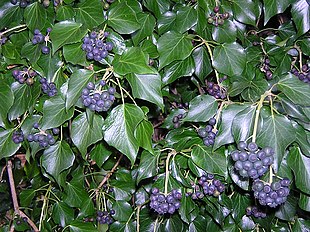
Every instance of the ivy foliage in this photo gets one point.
(173, 67)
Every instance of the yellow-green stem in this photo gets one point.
(259, 106)
(167, 171)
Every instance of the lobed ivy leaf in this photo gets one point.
(57, 158)
(7, 146)
(83, 134)
(10, 15)
(62, 213)
(188, 210)
(66, 32)
(119, 127)
(148, 165)
(65, 12)
(225, 33)
(100, 154)
(301, 15)
(288, 210)
(273, 7)
(173, 46)
(6, 102)
(304, 202)
(89, 13)
(301, 225)
(123, 211)
(123, 19)
(55, 113)
(31, 52)
(74, 54)
(299, 164)
(75, 194)
(248, 14)
(240, 203)
(143, 134)
(201, 109)
(186, 18)
(148, 23)
(166, 22)
(78, 226)
(133, 60)
(215, 163)
(147, 87)
(232, 55)
(35, 16)
(277, 132)
(202, 62)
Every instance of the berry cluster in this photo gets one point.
(266, 69)
(215, 90)
(24, 76)
(177, 120)
(165, 204)
(217, 18)
(39, 38)
(48, 88)
(207, 134)
(42, 137)
(256, 212)
(180, 105)
(251, 161)
(96, 99)
(22, 3)
(304, 74)
(104, 217)
(18, 136)
(272, 194)
(208, 186)
(95, 45)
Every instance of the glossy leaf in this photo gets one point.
(304, 202)
(100, 154)
(202, 63)
(74, 54)
(186, 18)
(78, 226)
(62, 213)
(35, 16)
(248, 14)
(143, 134)
(301, 15)
(7, 146)
(122, 210)
(148, 165)
(89, 13)
(119, 127)
(148, 23)
(273, 7)
(75, 194)
(6, 101)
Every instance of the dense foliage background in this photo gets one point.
(164, 97)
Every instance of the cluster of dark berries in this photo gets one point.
(177, 120)
(181, 105)
(165, 204)
(304, 74)
(18, 136)
(96, 99)
(42, 137)
(48, 88)
(272, 194)
(24, 76)
(95, 45)
(104, 217)
(251, 161)
(208, 186)
(256, 212)
(266, 69)
(207, 133)
(215, 90)
(39, 38)
(217, 18)
(3, 40)
(20, 220)
(22, 3)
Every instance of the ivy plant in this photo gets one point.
(143, 115)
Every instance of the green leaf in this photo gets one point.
(75, 194)
(173, 46)
(78, 226)
(174, 224)
(89, 13)
(57, 158)
(201, 109)
(240, 203)
(232, 55)
(66, 32)
(133, 60)
(26, 197)
(273, 7)
(301, 15)
(188, 210)
(238, 180)
(166, 22)
(202, 63)
(178, 69)
(123, 211)
(199, 224)
(186, 18)
(287, 211)
(50, 65)
(119, 127)
(65, 12)
(35, 16)
(224, 134)
(31, 52)
(295, 90)
(225, 33)
(10, 14)
(55, 113)
(6, 102)
(143, 134)
(301, 225)
(248, 14)
(100, 154)
(215, 163)
(181, 138)
(77, 82)
(147, 87)
(157, 7)
(74, 54)
(83, 134)
(304, 202)
(123, 19)
(300, 166)
(148, 23)
(62, 213)
(243, 123)
(148, 165)
(277, 132)
(25, 97)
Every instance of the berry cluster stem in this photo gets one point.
(23, 26)
(172, 153)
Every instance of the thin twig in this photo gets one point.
(14, 198)
(110, 173)
(2, 172)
